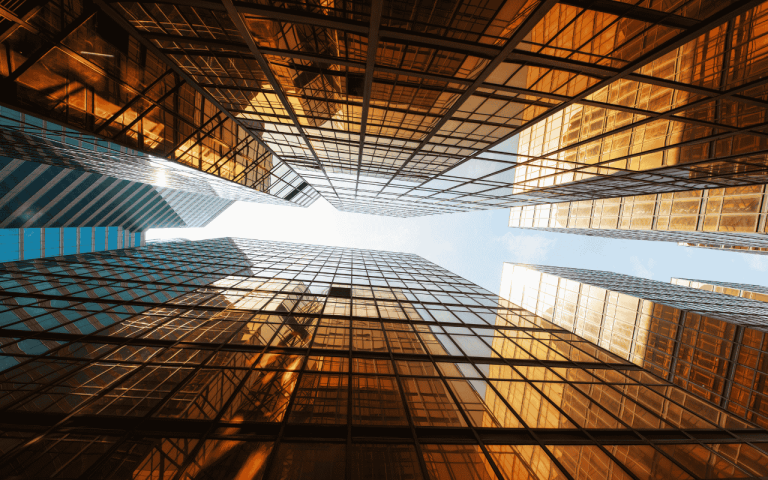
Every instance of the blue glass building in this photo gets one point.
(63, 192)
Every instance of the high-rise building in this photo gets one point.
(728, 248)
(709, 343)
(234, 359)
(71, 64)
(411, 108)
(63, 192)
(753, 292)
(724, 218)
(29, 243)
(653, 110)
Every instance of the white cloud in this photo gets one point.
(592, 245)
(526, 248)
(641, 269)
(757, 262)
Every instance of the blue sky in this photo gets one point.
(475, 245)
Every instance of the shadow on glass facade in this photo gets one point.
(405, 109)
(232, 359)
(712, 344)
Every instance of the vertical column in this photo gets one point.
(21, 243)
(733, 361)
(633, 346)
(702, 209)
(676, 347)
(762, 222)
(656, 207)
(61, 241)
(620, 214)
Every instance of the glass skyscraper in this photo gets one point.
(411, 108)
(64, 192)
(725, 218)
(753, 292)
(234, 359)
(710, 343)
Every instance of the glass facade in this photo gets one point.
(28, 138)
(753, 292)
(67, 62)
(684, 120)
(64, 192)
(403, 108)
(233, 359)
(712, 344)
(727, 218)
(29, 243)
(729, 248)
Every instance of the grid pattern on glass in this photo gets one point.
(375, 104)
(30, 138)
(67, 62)
(402, 108)
(28, 147)
(235, 358)
(53, 184)
(30, 243)
(727, 248)
(695, 338)
(753, 292)
(729, 217)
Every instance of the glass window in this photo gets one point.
(451, 462)
(308, 461)
(385, 462)
(524, 462)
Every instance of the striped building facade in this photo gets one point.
(40, 195)
(63, 192)
(30, 243)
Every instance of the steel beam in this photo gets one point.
(728, 13)
(634, 12)
(103, 5)
(237, 19)
(49, 46)
(522, 31)
(130, 103)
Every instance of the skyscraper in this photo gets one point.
(63, 192)
(230, 358)
(711, 344)
(412, 108)
(68, 63)
(726, 218)
(650, 110)
(753, 292)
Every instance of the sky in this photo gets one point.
(475, 245)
